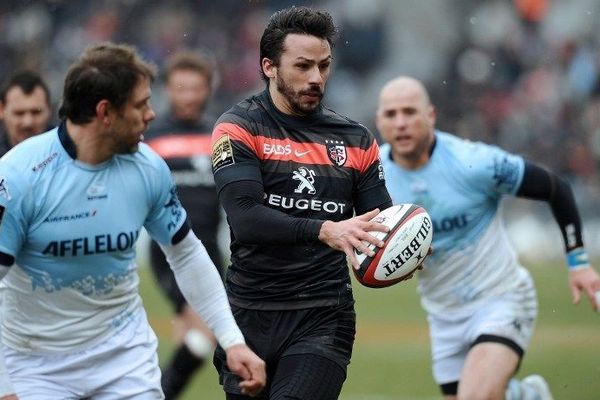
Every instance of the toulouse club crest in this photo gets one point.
(336, 151)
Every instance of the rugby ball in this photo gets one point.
(405, 246)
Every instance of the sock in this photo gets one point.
(182, 366)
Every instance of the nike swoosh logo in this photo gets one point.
(301, 153)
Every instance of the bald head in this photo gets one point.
(404, 86)
(405, 119)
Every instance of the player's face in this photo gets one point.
(300, 78)
(188, 91)
(25, 115)
(405, 119)
(130, 123)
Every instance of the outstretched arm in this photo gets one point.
(541, 184)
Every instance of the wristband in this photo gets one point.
(577, 259)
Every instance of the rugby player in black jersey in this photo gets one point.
(182, 138)
(299, 184)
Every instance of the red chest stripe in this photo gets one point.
(272, 149)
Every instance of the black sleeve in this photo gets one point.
(182, 232)
(6, 259)
(254, 223)
(541, 184)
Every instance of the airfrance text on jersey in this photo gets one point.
(105, 243)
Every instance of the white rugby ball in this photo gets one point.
(405, 246)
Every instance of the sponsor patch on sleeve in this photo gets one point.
(4, 189)
(222, 153)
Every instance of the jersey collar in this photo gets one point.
(66, 140)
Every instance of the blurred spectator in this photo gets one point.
(24, 109)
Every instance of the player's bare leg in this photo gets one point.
(488, 368)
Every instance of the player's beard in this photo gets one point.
(293, 97)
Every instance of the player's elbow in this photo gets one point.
(246, 231)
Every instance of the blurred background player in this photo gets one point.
(182, 137)
(24, 109)
(481, 303)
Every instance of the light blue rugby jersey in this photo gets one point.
(461, 187)
(72, 229)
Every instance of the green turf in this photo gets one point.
(391, 354)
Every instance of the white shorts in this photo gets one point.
(125, 366)
(511, 316)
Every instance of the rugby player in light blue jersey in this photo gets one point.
(481, 302)
(72, 203)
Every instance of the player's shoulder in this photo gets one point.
(351, 132)
(145, 157)
(32, 161)
(244, 112)
(385, 154)
(464, 149)
(37, 155)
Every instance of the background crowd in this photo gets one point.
(524, 74)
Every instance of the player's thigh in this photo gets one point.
(449, 350)
(275, 335)
(36, 386)
(307, 377)
(45, 391)
(500, 332)
(140, 382)
(131, 370)
(302, 377)
(41, 377)
(487, 370)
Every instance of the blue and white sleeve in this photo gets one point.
(495, 170)
(167, 215)
(14, 197)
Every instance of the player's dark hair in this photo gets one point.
(302, 20)
(27, 81)
(104, 71)
(192, 61)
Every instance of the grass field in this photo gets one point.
(391, 354)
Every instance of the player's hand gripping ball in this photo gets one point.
(405, 246)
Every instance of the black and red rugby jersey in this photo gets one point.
(323, 166)
(186, 147)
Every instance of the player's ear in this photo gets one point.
(103, 111)
(269, 68)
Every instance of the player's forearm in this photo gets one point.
(540, 184)
(200, 283)
(254, 223)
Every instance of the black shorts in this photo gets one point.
(166, 278)
(327, 332)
